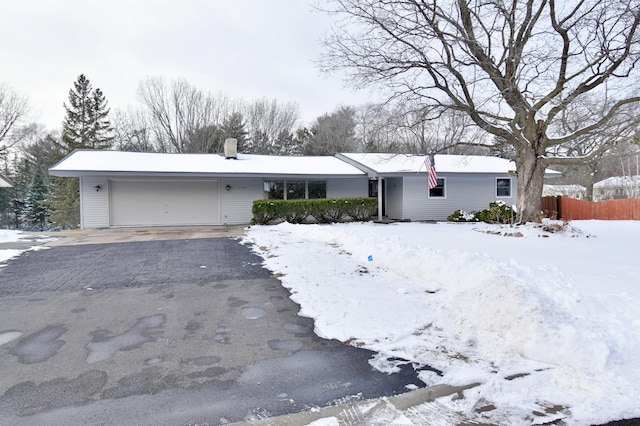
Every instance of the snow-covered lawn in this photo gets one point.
(8, 236)
(544, 322)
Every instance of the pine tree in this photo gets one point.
(233, 127)
(102, 129)
(64, 201)
(6, 195)
(86, 126)
(21, 177)
(35, 213)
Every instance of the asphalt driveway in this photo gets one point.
(169, 332)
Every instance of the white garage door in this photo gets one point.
(171, 202)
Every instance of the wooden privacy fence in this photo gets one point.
(571, 209)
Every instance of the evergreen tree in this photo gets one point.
(35, 212)
(86, 126)
(21, 177)
(42, 154)
(333, 133)
(204, 139)
(6, 195)
(233, 127)
(64, 202)
(25, 206)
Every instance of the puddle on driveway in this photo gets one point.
(286, 345)
(102, 349)
(39, 346)
(253, 313)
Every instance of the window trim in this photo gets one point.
(510, 187)
(444, 190)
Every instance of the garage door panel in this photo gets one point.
(147, 203)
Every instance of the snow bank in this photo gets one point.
(8, 236)
(541, 320)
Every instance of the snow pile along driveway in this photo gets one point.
(546, 323)
(9, 236)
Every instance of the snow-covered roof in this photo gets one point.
(403, 163)
(89, 162)
(4, 182)
(566, 187)
(548, 190)
(618, 181)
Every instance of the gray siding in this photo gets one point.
(235, 204)
(348, 187)
(394, 198)
(94, 205)
(406, 198)
(466, 192)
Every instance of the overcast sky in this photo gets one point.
(243, 48)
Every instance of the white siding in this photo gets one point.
(348, 187)
(94, 205)
(394, 196)
(466, 192)
(235, 204)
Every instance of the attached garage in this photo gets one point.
(163, 202)
(140, 189)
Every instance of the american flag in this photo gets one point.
(430, 164)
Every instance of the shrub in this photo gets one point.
(323, 210)
(296, 211)
(462, 216)
(327, 210)
(498, 212)
(266, 211)
(360, 209)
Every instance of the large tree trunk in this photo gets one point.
(530, 171)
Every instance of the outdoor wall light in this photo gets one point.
(228, 187)
(97, 187)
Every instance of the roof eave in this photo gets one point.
(85, 173)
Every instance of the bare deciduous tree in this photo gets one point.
(513, 67)
(13, 108)
(408, 129)
(376, 128)
(177, 117)
(132, 132)
(451, 132)
(178, 111)
(267, 120)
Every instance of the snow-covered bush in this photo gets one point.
(498, 212)
(462, 216)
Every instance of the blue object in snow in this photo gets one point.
(370, 258)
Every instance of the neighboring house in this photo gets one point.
(572, 191)
(4, 182)
(152, 189)
(465, 182)
(617, 187)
